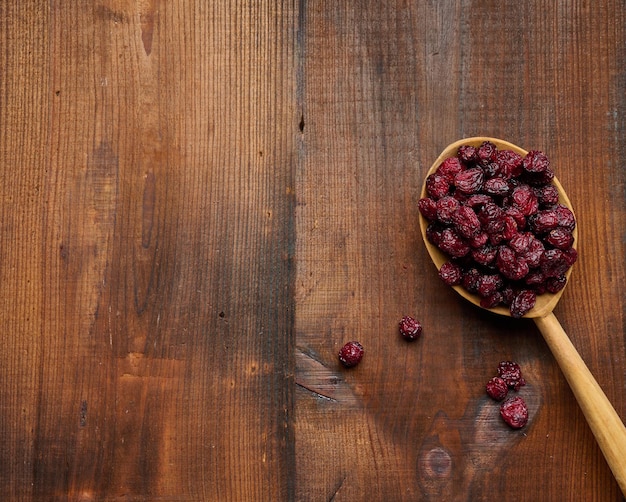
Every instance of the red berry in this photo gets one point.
(523, 302)
(536, 162)
(450, 273)
(410, 328)
(437, 186)
(497, 388)
(428, 208)
(525, 200)
(511, 373)
(351, 354)
(469, 181)
(450, 167)
(514, 412)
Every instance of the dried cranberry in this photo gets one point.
(437, 186)
(570, 256)
(433, 233)
(565, 217)
(548, 196)
(488, 284)
(517, 215)
(452, 244)
(555, 284)
(467, 154)
(510, 265)
(514, 412)
(544, 221)
(449, 168)
(446, 207)
(486, 152)
(410, 328)
(536, 162)
(466, 222)
(523, 302)
(450, 273)
(560, 238)
(469, 181)
(477, 200)
(351, 354)
(478, 240)
(511, 373)
(521, 242)
(484, 255)
(492, 301)
(510, 163)
(496, 186)
(553, 263)
(497, 388)
(534, 253)
(428, 208)
(525, 199)
(470, 280)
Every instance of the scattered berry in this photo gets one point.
(497, 388)
(514, 412)
(511, 373)
(497, 217)
(351, 354)
(410, 328)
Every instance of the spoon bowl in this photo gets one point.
(546, 302)
(603, 420)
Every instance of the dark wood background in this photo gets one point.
(201, 201)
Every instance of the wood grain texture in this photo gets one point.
(202, 201)
(386, 87)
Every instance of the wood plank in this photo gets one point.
(385, 88)
(156, 363)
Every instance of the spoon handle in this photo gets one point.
(605, 423)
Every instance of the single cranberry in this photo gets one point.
(565, 217)
(510, 163)
(514, 412)
(446, 207)
(477, 200)
(511, 373)
(492, 301)
(497, 388)
(428, 208)
(536, 162)
(548, 196)
(488, 284)
(484, 255)
(525, 199)
(467, 154)
(555, 284)
(465, 222)
(450, 273)
(486, 152)
(437, 186)
(497, 187)
(523, 302)
(469, 181)
(410, 328)
(544, 221)
(351, 354)
(560, 238)
(449, 168)
(452, 244)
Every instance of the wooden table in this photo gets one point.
(203, 200)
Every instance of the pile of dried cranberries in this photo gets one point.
(498, 218)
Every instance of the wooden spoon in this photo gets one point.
(602, 418)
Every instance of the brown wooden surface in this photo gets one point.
(202, 201)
